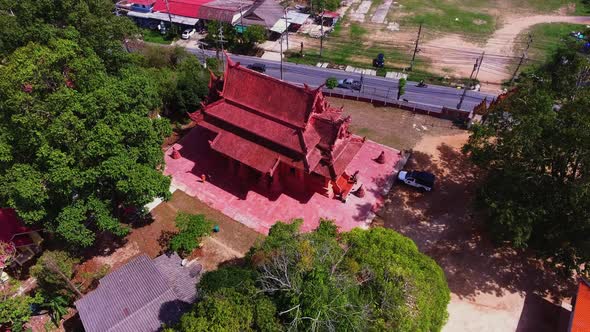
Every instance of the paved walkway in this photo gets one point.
(246, 203)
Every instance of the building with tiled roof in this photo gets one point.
(580, 319)
(142, 295)
(287, 136)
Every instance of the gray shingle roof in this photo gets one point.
(140, 296)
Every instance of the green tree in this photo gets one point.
(401, 87)
(534, 147)
(362, 280)
(331, 82)
(191, 86)
(254, 34)
(320, 5)
(80, 144)
(16, 311)
(192, 228)
(54, 271)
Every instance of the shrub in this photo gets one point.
(191, 229)
(331, 83)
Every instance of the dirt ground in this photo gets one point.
(493, 288)
(447, 52)
(231, 242)
(503, 49)
(392, 126)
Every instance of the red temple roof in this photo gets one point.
(279, 100)
(580, 320)
(12, 227)
(261, 121)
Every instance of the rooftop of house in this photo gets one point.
(264, 12)
(140, 296)
(12, 227)
(580, 319)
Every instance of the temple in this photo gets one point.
(287, 137)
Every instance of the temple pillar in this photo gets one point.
(242, 171)
(275, 185)
(231, 166)
(263, 182)
(300, 179)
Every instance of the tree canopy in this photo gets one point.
(535, 149)
(324, 281)
(80, 139)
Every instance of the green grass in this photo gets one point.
(357, 31)
(468, 17)
(153, 36)
(547, 39)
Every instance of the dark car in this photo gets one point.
(259, 67)
(379, 61)
(350, 84)
(420, 180)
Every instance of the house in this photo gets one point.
(279, 134)
(186, 13)
(580, 318)
(142, 295)
(263, 12)
(25, 240)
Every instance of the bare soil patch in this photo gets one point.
(502, 49)
(494, 287)
(392, 126)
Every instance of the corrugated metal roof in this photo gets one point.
(139, 296)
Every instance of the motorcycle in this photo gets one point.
(421, 84)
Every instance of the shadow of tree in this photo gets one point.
(540, 315)
(164, 240)
(444, 226)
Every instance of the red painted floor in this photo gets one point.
(248, 204)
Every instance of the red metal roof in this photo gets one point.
(11, 227)
(330, 14)
(580, 321)
(187, 8)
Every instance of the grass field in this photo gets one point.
(475, 21)
(358, 51)
(547, 39)
(153, 36)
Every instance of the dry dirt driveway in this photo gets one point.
(493, 288)
(499, 49)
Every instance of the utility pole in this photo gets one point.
(321, 28)
(241, 18)
(470, 82)
(281, 42)
(287, 28)
(169, 15)
(524, 55)
(416, 47)
(480, 61)
(221, 41)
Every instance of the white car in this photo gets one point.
(188, 33)
(421, 180)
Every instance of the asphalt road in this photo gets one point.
(373, 86)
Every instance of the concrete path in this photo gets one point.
(381, 12)
(358, 15)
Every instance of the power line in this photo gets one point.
(470, 82)
(416, 48)
(522, 58)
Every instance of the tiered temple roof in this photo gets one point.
(262, 121)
